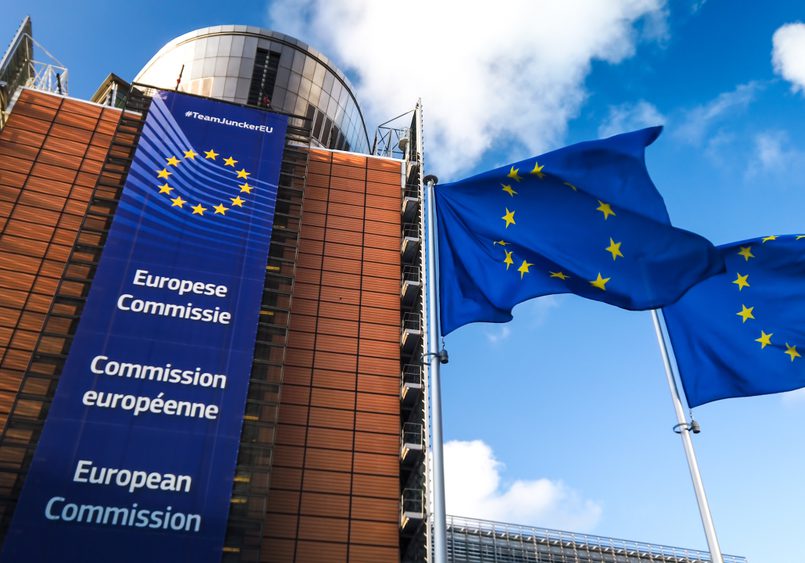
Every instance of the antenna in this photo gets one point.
(179, 80)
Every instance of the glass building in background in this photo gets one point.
(482, 541)
(259, 67)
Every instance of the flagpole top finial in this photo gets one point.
(431, 179)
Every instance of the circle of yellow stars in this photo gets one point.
(199, 209)
(512, 179)
(748, 313)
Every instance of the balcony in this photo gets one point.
(411, 384)
(412, 170)
(410, 204)
(411, 332)
(412, 510)
(409, 247)
(410, 285)
(412, 444)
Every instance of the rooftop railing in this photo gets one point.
(503, 532)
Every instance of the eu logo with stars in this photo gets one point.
(205, 181)
(742, 333)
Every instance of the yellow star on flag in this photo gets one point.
(163, 173)
(211, 154)
(537, 171)
(600, 283)
(198, 209)
(236, 201)
(800, 237)
(191, 154)
(165, 188)
(220, 209)
(243, 174)
(791, 351)
(523, 269)
(768, 238)
(765, 339)
(614, 248)
(746, 313)
(575, 189)
(500, 242)
(741, 281)
(513, 174)
(230, 162)
(560, 275)
(605, 209)
(508, 189)
(746, 252)
(509, 217)
(508, 260)
(173, 161)
(177, 201)
(245, 188)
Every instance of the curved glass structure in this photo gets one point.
(256, 66)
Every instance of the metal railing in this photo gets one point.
(412, 321)
(412, 434)
(412, 374)
(410, 274)
(392, 141)
(412, 501)
(512, 543)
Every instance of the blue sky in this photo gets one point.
(564, 414)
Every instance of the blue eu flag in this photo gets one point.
(585, 219)
(742, 333)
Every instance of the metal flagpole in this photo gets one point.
(683, 428)
(434, 358)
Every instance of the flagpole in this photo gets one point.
(433, 359)
(683, 428)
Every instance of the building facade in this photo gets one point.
(482, 541)
(334, 437)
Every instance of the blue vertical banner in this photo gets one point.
(137, 457)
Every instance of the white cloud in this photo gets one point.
(474, 489)
(697, 5)
(628, 117)
(721, 148)
(699, 122)
(536, 312)
(530, 314)
(775, 155)
(788, 54)
(770, 149)
(498, 334)
(505, 76)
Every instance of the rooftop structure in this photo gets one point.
(259, 67)
(483, 541)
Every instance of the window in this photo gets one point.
(263, 77)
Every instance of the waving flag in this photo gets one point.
(742, 333)
(585, 219)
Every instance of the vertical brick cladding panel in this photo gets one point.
(51, 153)
(334, 490)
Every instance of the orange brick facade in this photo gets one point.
(334, 490)
(51, 153)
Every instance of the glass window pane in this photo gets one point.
(211, 47)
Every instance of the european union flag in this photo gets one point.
(585, 219)
(742, 333)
